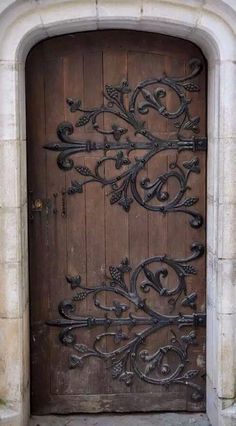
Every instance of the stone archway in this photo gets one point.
(212, 28)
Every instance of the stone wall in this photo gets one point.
(211, 24)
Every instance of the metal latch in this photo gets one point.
(47, 205)
(37, 205)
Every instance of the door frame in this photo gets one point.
(22, 26)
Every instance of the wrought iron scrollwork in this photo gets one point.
(131, 356)
(125, 187)
(153, 191)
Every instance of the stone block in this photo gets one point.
(212, 270)
(23, 173)
(9, 417)
(24, 257)
(227, 127)
(226, 355)
(212, 225)
(10, 174)
(21, 98)
(26, 351)
(226, 227)
(58, 17)
(226, 287)
(212, 170)
(10, 219)
(122, 9)
(172, 18)
(10, 290)
(10, 360)
(213, 104)
(19, 23)
(217, 34)
(9, 122)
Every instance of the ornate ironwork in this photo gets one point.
(144, 97)
(153, 191)
(129, 358)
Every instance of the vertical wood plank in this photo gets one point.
(36, 160)
(95, 213)
(117, 220)
(55, 223)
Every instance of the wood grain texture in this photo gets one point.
(84, 234)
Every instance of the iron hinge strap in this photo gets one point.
(196, 320)
(200, 144)
(75, 146)
(199, 320)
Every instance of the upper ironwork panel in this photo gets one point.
(125, 188)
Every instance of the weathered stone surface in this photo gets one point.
(211, 25)
(124, 420)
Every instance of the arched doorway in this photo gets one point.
(117, 222)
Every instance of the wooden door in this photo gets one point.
(116, 133)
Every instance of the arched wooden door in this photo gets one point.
(116, 132)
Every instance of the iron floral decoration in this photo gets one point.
(125, 187)
(130, 358)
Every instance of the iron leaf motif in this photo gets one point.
(126, 188)
(129, 359)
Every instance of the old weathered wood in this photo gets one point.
(84, 234)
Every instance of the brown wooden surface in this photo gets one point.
(93, 234)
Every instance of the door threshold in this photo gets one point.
(151, 419)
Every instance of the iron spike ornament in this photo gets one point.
(126, 187)
(130, 356)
